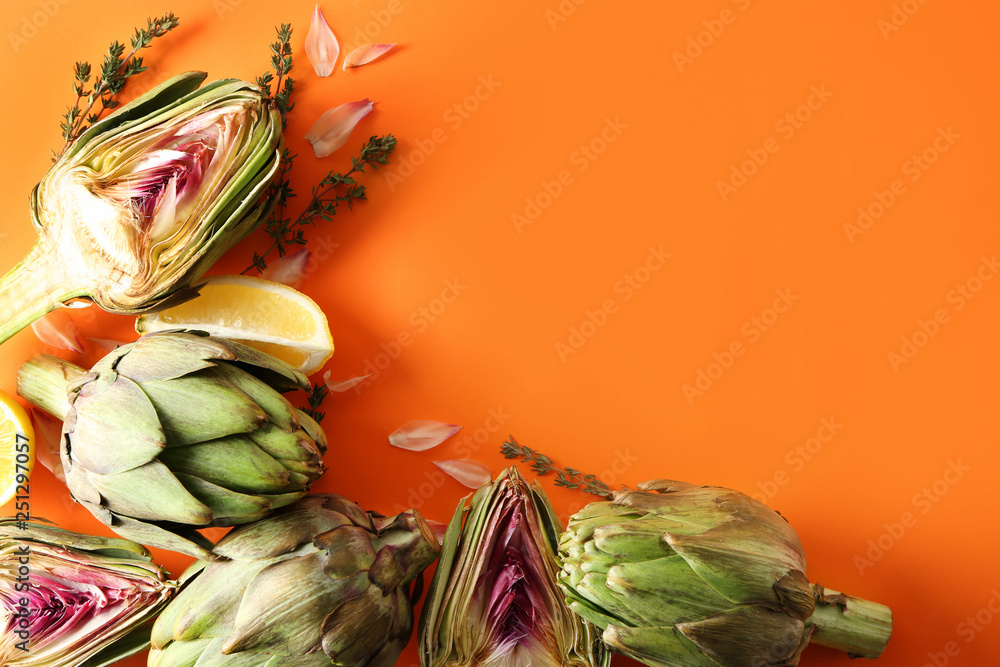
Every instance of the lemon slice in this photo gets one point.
(17, 449)
(268, 316)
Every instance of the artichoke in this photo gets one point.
(494, 599)
(147, 199)
(177, 432)
(319, 582)
(699, 576)
(70, 600)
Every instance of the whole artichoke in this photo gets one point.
(319, 582)
(147, 199)
(699, 576)
(71, 600)
(176, 432)
(494, 599)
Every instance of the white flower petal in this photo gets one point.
(333, 128)
(58, 331)
(344, 385)
(322, 47)
(48, 432)
(439, 529)
(472, 474)
(365, 54)
(288, 270)
(106, 344)
(422, 434)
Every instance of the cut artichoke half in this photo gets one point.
(494, 598)
(72, 600)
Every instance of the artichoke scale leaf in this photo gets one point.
(284, 444)
(156, 357)
(164, 497)
(210, 609)
(280, 534)
(359, 626)
(749, 636)
(185, 541)
(202, 406)
(697, 506)
(737, 561)
(271, 370)
(659, 646)
(302, 473)
(386, 572)
(101, 421)
(663, 591)
(313, 430)
(233, 462)
(178, 654)
(331, 501)
(279, 411)
(297, 594)
(348, 549)
(229, 508)
(113, 547)
(389, 653)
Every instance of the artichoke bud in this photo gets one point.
(179, 431)
(702, 576)
(71, 600)
(494, 598)
(319, 582)
(147, 199)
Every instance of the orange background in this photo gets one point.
(501, 359)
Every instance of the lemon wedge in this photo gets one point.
(265, 315)
(17, 449)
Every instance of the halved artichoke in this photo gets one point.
(72, 600)
(147, 199)
(494, 599)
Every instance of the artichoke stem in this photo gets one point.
(43, 381)
(40, 283)
(846, 623)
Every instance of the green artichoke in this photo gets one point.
(494, 598)
(319, 582)
(70, 600)
(147, 199)
(700, 576)
(177, 432)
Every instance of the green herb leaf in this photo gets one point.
(116, 70)
(569, 478)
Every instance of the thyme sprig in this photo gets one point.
(116, 70)
(317, 395)
(569, 478)
(281, 62)
(333, 190)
